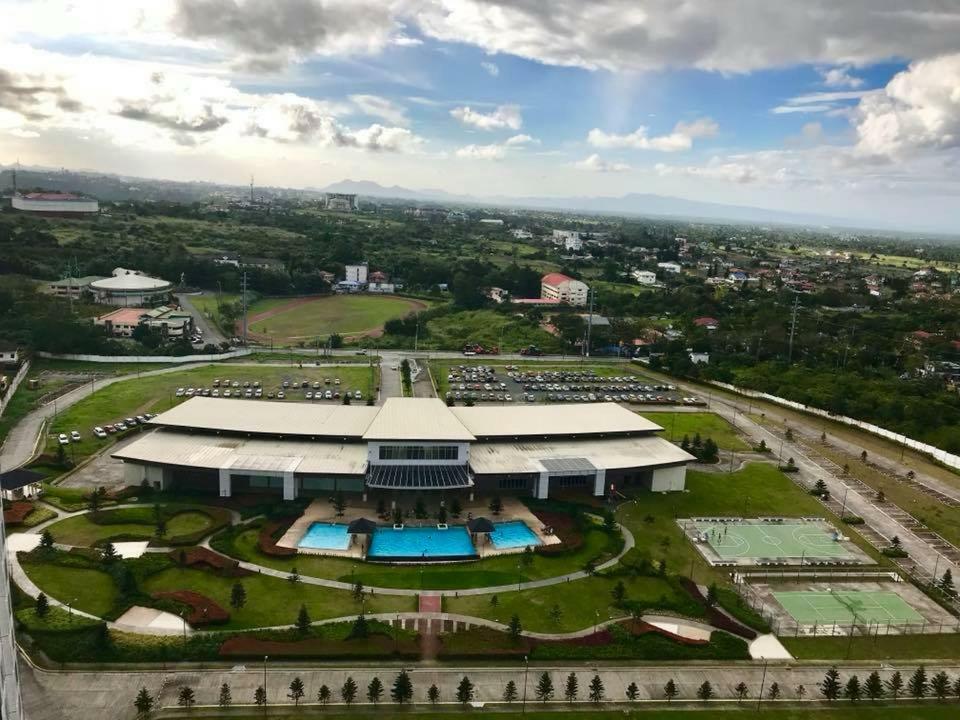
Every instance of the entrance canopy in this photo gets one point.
(418, 477)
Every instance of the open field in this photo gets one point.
(677, 424)
(488, 328)
(92, 591)
(158, 393)
(294, 320)
(881, 647)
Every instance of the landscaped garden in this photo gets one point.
(180, 525)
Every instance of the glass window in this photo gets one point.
(418, 452)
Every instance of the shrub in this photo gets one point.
(204, 611)
(270, 533)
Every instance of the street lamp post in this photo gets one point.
(763, 681)
(265, 682)
(526, 668)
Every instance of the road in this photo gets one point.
(211, 333)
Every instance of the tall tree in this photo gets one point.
(852, 691)
(940, 685)
(41, 606)
(323, 695)
(348, 692)
(464, 691)
(515, 628)
(774, 692)
(705, 691)
(830, 685)
(143, 703)
(596, 690)
(260, 696)
(895, 685)
(742, 691)
(238, 596)
(670, 690)
(375, 690)
(918, 683)
(433, 694)
(632, 692)
(544, 688)
(402, 690)
(297, 690)
(571, 688)
(303, 620)
(225, 697)
(185, 698)
(873, 687)
(510, 692)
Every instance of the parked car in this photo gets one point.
(99, 432)
(121, 427)
(63, 439)
(75, 436)
(110, 429)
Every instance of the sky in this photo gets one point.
(848, 108)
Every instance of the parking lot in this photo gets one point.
(513, 383)
(324, 389)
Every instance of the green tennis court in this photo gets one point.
(773, 540)
(810, 607)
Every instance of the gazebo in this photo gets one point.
(361, 526)
(480, 525)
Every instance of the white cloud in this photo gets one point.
(819, 102)
(482, 152)
(597, 164)
(786, 109)
(382, 108)
(503, 117)
(521, 139)
(405, 40)
(491, 68)
(840, 77)
(681, 138)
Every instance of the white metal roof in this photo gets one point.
(168, 447)
(294, 419)
(529, 420)
(416, 419)
(130, 282)
(602, 453)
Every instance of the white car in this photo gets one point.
(99, 432)
(75, 436)
(63, 439)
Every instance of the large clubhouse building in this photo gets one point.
(406, 446)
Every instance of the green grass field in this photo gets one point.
(677, 424)
(81, 531)
(488, 328)
(882, 647)
(158, 393)
(92, 591)
(779, 711)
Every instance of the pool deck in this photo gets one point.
(322, 511)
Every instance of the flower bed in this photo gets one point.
(270, 533)
(203, 558)
(17, 513)
(564, 527)
(204, 611)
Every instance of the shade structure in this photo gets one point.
(361, 526)
(480, 525)
(418, 477)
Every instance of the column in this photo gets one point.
(289, 488)
(599, 480)
(543, 485)
(226, 488)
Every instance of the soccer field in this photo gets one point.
(810, 607)
(773, 540)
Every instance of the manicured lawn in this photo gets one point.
(892, 647)
(272, 601)
(677, 424)
(158, 393)
(343, 314)
(758, 489)
(580, 601)
(483, 573)
(81, 530)
(91, 590)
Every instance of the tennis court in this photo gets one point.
(773, 540)
(815, 607)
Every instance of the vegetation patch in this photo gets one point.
(203, 610)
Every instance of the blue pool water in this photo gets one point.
(513, 534)
(326, 536)
(421, 542)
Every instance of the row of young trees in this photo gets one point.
(918, 686)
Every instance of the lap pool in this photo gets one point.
(421, 542)
(513, 534)
(325, 536)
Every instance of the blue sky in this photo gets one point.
(846, 108)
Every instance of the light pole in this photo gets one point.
(763, 681)
(843, 507)
(526, 668)
(265, 682)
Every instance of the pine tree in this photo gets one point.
(296, 690)
(323, 695)
(556, 614)
(433, 694)
(820, 486)
(186, 697)
(46, 540)
(515, 628)
(375, 690)
(774, 692)
(294, 576)
(464, 691)
(956, 688)
(619, 593)
(895, 685)
(830, 685)
(918, 683)
(143, 702)
(42, 606)
(572, 688)
(544, 689)
(358, 591)
(303, 620)
(710, 451)
(510, 692)
(800, 692)
(633, 692)
(852, 690)
(348, 693)
(260, 696)
(685, 443)
(711, 598)
(670, 690)
(238, 596)
(705, 691)
(940, 684)
(225, 698)
(873, 687)
(946, 583)
(742, 691)
(402, 690)
(596, 690)
(109, 553)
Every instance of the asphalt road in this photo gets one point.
(211, 333)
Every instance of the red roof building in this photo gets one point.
(707, 322)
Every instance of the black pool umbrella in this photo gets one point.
(480, 525)
(361, 526)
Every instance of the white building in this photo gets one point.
(559, 287)
(644, 277)
(356, 274)
(521, 234)
(491, 221)
(344, 202)
(568, 239)
(670, 267)
(128, 288)
(55, 205)
(381, 287)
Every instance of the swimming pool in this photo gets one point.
(325, 536)
(426, 542)
(513, 534)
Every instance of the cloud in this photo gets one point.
(785, 109)
(33, 96)
(207, 120)
(518, 140)
(737, 172)
(382, 108)
(597, 164)
(503, 117)
(491, 68)
(405, 40)
(482, 152)
(819, 102)
(681, 138)
(840, 77)
(918, 110)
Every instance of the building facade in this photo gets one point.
(557, 287)
(169, 322)
(131, 288)
(644, 277)
(356, 273)
(407, 446)
(343, 202)
(55, 205)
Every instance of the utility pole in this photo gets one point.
(793, 326)
(251, 189)
(243, 293)
(589, 321)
